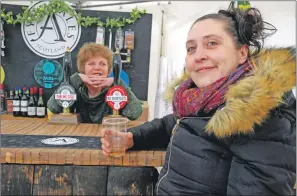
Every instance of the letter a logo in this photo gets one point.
(50, 37)
(57, 29)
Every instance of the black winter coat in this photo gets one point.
(247, 151)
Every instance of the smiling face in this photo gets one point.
(94, 59)
(211, 52)
(96, 66)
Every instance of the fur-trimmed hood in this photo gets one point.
(249, 101)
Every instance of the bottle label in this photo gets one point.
(9, 104)
(24, 109)
(40, 111)
(16, 109)
(16, 102)
(24, 103)
(31, 111)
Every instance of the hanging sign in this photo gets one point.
(50, 37)
(48, 73)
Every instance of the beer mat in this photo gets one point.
(46, 141)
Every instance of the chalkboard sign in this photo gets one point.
(19, 61)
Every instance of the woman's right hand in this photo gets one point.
(95, 82)
(85, 78)
(87, 81)
(106, 136)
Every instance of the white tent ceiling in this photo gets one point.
(93, 3)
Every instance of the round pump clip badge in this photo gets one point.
(65, 95)
(116, 97)
(48, 73)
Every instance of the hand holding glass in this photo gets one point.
(115, 136)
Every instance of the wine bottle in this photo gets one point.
(20, 93)
(35, 94)
(16, 104)
(9, 102)
(32, 104)
(28, 93)
(40, 105)
(24, 104)
(3, 96)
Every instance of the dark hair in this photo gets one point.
(246, 26)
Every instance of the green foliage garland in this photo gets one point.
(60, 6)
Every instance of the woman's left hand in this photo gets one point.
(101, 81)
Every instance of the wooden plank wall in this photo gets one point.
(77, 180)
(16, 179)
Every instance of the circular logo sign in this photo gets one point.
(48, 73)
(116, 97)
(60, 141)
(50, 37)
(65, 95)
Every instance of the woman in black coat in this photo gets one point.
(232, 131)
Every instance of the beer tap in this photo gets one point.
(117, 96)
(66, 95)
(116, 67)
(67, 65)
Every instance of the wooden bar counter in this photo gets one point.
(69, 170)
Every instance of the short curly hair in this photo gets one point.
(91, 50)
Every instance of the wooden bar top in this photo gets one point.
(68, 156)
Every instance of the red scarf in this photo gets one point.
(189, 99)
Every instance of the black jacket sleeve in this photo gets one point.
(265, 163)
(154, 134)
